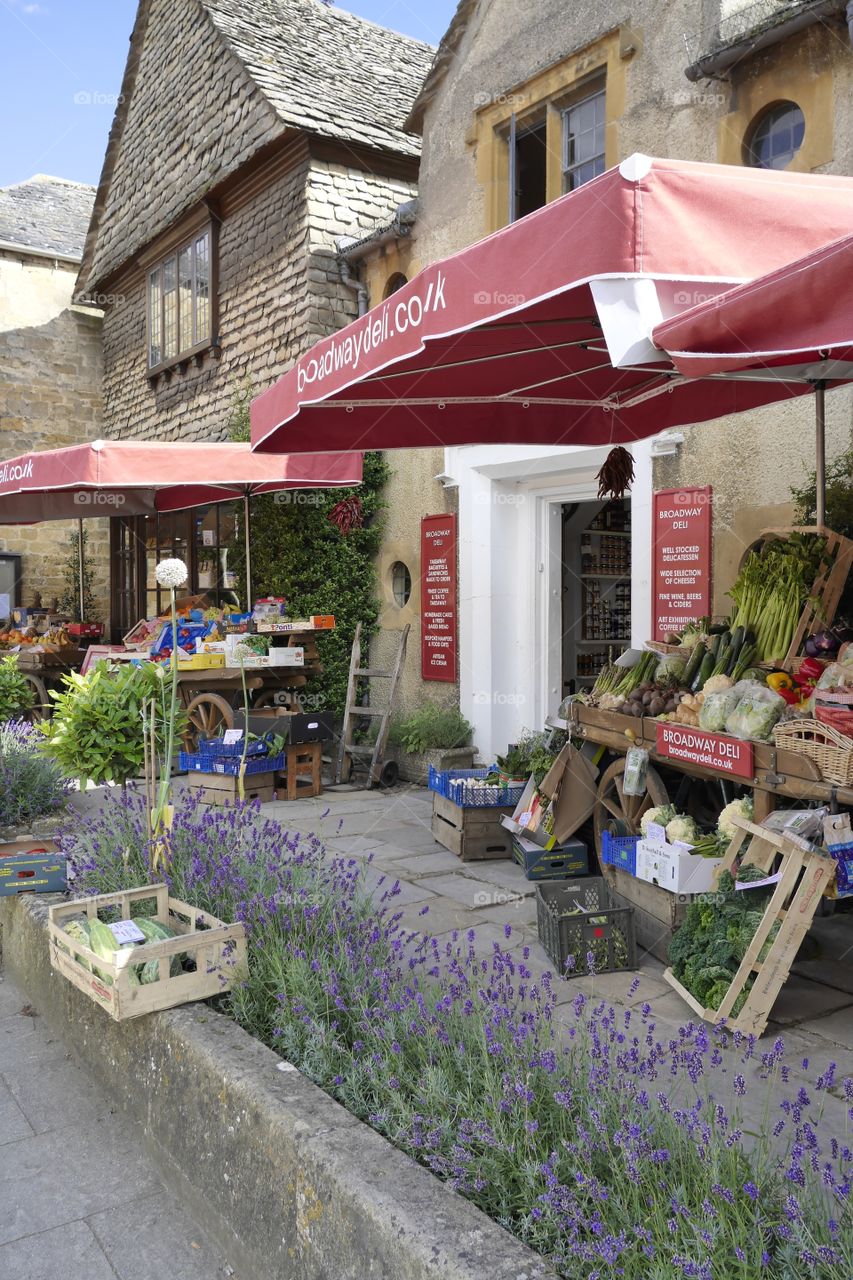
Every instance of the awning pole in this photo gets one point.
(820, 451)
(80, 568)
(247, 533)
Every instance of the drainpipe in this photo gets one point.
(716, 64)
(351, 280)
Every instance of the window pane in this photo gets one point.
(202, 287)
(154, 303)
(170, 309)
(185, 287)
(583, 141)
(777, 138)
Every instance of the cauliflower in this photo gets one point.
(737, 809)
(663, 814)
(683, 829)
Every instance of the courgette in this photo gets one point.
(155, 931)
(737, 644)
(714, 643)
(705, 672)
(694, 662)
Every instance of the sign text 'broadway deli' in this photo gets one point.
(711, 750)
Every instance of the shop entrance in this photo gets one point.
(596, 588)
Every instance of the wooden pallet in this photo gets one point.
(218, 951)
(803, 877)
(474, 835)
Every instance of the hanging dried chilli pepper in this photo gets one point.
(617, 474)
(347, 514)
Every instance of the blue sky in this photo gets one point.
(61, 64)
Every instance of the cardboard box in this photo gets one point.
(674, 868)
(296, 727)
(237, 644)
(282, 626)
(569, 788)
(30, 865)
(198, 661)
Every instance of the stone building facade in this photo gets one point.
(50, 363)
(261, 132)
(501, 61)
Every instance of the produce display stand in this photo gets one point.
(43, 671)
(803, 877)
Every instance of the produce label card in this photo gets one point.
(126, 931)
(656, 832)
(233, 735)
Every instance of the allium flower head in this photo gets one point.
(171, 573)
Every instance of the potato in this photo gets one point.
(657, 706)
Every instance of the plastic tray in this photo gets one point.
(227, 764)
(454, 784)
(619, 851)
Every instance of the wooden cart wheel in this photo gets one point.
(268, 699)
(621, 814)
(41, 702)
(208, 714)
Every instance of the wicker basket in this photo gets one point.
(831, 751)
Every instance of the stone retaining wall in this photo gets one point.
(282, 1178)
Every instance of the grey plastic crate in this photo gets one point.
(603, 929)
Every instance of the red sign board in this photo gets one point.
(438, 597)
(681, 559)
(711, 750)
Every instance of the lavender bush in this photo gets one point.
(609, 1150)
(31, 786)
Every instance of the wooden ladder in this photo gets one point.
(349, 750)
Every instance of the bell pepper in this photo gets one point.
(791, 696)
(779, 680)
(811, 670)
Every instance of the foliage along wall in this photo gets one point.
(299, 554)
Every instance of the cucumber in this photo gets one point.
(705, 672)
(714, 643)
(694, 662)
(737, 644)
(156, 932)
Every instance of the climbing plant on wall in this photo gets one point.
(298, 553)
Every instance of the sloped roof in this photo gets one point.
(328, 71)
(444, 56)
(46, 214)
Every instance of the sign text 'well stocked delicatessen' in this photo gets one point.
(438, 597)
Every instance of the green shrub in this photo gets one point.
(16, 695)
(299, 554)
(432, 727)
(96, 732)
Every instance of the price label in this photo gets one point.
(233, 735)
(655, 831)
(126, 931)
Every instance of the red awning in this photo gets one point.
(793, 322)
(541, 333)
(133, 477)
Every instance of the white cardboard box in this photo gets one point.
(674, 868)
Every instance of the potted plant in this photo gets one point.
(530, 755)
(432, 735)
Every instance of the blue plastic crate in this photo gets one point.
(218, 747)
(228, 765)
(619, 851)
(453, 785)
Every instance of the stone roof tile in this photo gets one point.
(47, 214)
(326, 70)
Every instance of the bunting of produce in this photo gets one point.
(771, 590)
(347, 514)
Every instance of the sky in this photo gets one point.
(61, 65)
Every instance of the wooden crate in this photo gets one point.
(217, 949)
(803, 877)
(657, 913)
(303, 770)
(222, 788)
(472, 834)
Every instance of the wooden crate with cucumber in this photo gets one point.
(173, 953)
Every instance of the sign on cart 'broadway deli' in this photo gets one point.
(438, 597)
(710, 750)
(681, 556)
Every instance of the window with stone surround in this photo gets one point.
(180, 301)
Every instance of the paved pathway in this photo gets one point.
(80, 1199)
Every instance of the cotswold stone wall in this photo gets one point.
(279, 291)
(50, 396)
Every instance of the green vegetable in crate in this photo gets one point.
(772, 588)
(103, 943)
(79, 931)
(669, 672)
(755, 714)
(661, 814)
(742, 808)
(694, 662)
(681, 828)
(156, 932)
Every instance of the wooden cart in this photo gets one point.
(778, 775)
(211, 696)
